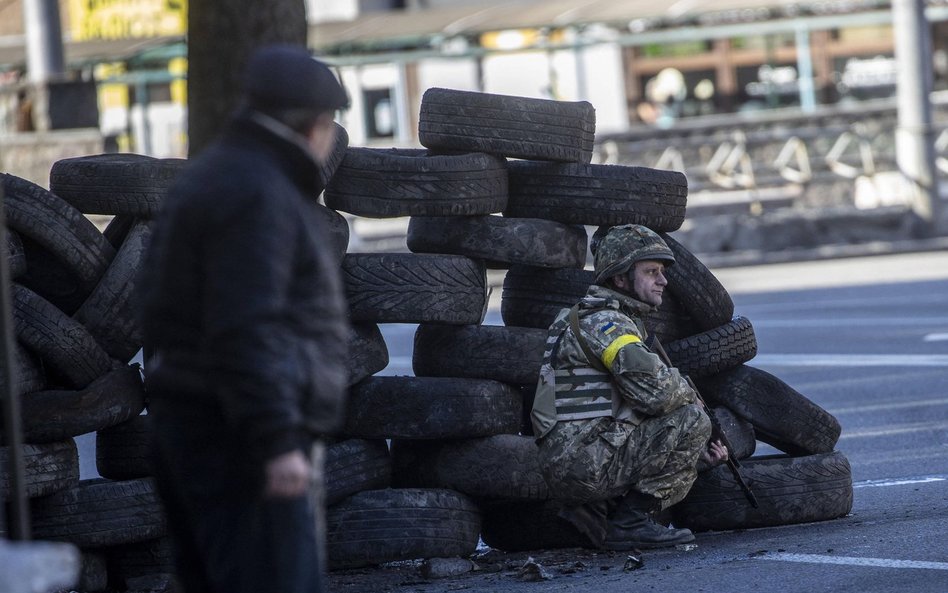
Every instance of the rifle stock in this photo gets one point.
(716, 431)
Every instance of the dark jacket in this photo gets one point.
(242, 301)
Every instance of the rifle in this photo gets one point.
(716, 431)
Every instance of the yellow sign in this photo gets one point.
(122, 19)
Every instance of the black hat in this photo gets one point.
(287, 77)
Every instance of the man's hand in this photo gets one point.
(712, 456)
(288, 475)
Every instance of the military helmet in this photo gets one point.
(624, 245)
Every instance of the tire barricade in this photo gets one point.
(426, 465)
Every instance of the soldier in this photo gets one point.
(619, 433)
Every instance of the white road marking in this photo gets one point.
(899, 481)
(897, 429)
(852, 360)
(855, 561)
(867, 323)
(936, 338)
(917, 403)
(848, 303)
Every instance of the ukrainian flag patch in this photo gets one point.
(608, 328)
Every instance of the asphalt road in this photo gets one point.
(865, 338)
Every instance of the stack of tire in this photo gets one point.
(426, 464)
(446, 432)
(76, 332)
(450, 191)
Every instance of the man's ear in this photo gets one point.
(621, 281)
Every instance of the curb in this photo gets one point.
(755, 257)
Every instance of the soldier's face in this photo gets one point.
(649, 282)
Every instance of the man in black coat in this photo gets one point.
(245, 324)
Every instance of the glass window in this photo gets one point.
(764, 41)
(675, 50)
(379, 116)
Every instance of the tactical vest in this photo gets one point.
(577, 393)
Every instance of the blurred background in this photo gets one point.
(765, 105)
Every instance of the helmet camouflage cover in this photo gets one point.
(623, 246)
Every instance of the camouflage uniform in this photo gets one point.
(603, 434)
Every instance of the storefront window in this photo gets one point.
(379, 117)
(764, 41)
(672, 94)
(865, 77)
(767, 86)
(675, 50)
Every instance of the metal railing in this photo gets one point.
(837, 146)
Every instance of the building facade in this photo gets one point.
(641, 64)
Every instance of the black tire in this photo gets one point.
(415, 288)
(54, 415)
(140, 559)
(66, 347)
(355, 465)
(669, 322)
(505, 125)
(337, 230)
(30, 374)
(379, 526)
(498, 467)
(739, 432)
(66, 254)
(368, 353)
(532, 297)
(47, 469)
(328, 169)
(123, 451)
(501, 241)
(117, 229)
(98, 513)
(507, 354)
(521, 526)
(716, 350)
(379, 183)
(431, 408)
(93, 572)
(110, 313)
(597, 194)
(696, 289)
(528, 393)
(782, 417)
(16, 256)
(788, 489)
(115, 183)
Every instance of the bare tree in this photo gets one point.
(221, 36)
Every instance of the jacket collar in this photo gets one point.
(291, 153)
(600, 297)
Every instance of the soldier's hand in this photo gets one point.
(712, 456)
(288, 475)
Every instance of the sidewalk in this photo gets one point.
(787, 236)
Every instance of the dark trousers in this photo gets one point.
(228, 538)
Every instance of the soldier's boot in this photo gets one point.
(631, 526)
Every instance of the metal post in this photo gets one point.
(44, 40)
(805, 70)
(915, 152)
(44, 54)
(142, 99)
(12, 430)
(399, 106)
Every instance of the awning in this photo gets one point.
(390, 29)
(77, 53)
